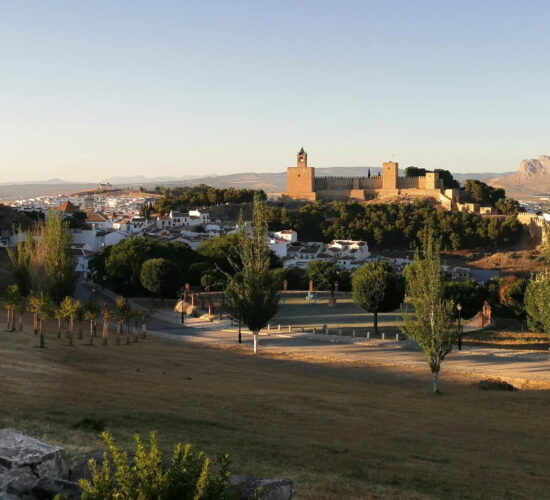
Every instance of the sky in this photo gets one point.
(93, 89)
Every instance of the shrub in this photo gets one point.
(492, 384)
(189, 475)
(90, 424)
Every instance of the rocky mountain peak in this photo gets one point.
(535, 168)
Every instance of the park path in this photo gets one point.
(522, 367)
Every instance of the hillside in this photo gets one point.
(271, 182)
(532, 178)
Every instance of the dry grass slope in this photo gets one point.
(347, 432)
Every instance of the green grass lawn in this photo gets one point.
(296, 311)
(348, 432)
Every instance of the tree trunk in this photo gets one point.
(435, 387)
(144, 330)
(9, 319)
(91, 332)
(41, 333)
(375, 323)
(35, 322)
(255, 335)
(20, 321)
(105, 332)
(71, 327)
(59, 328)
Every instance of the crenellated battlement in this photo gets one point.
(302, 184)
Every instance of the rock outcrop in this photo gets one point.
(532, 178)
(32, 469)
(271, 489)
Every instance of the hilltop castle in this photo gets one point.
(302, 184)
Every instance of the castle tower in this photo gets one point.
(389, 175)
(432, 180)
(301, 158)
(301, 179)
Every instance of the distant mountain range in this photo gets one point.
(531, 179)
(272, 182)
(46, 182)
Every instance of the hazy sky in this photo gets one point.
(91, 89)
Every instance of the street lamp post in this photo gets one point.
(459, 309)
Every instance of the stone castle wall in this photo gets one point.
(347, 183)
(302, 184)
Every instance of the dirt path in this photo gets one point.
(525, 369)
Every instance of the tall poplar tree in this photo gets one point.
(43, 260)
(431, 324)
(253, 292)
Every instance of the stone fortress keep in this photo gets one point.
(302, 184)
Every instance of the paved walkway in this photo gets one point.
(521, 367)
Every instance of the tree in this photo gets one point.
(12, 300)
(160, 277)
(121, 263)
(223, 253)
(253, 292)
(43, 260)
(20, 258)
(415, 172)
(449, 182)
(42, 306)
(431, 325)
(69, 307)
(91, 312)
(143, 317)
(469, 294)
(480, 192)
(324, 274)
(59, 315)
(122, 312)
(106, 316)
(376, 288)
(537, 303)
